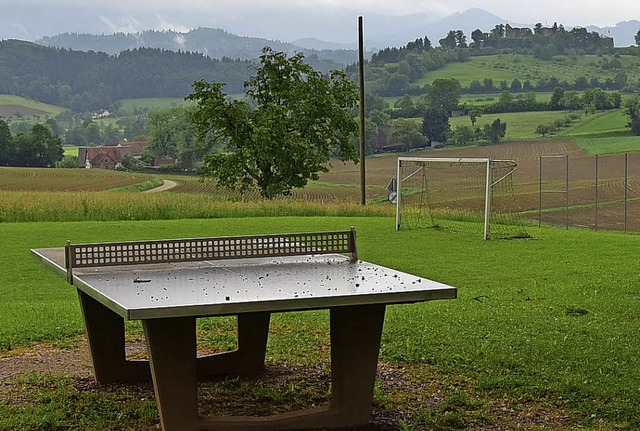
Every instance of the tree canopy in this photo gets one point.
(435, 125)
(295, 120)
(444, 94)
(38, 148)
(632, 109)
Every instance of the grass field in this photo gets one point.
(515, 66)
(70, 151)
(535, 337)
(11, 105)
(150, 104)
(544, 326)
(487, 99)
(520, 125)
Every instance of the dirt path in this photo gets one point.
(166, 185)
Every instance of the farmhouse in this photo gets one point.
(108, 156)
(100, 113)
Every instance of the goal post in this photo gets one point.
(462, 194)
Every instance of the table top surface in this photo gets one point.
(226, 287)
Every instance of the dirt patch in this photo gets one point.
(405, 394)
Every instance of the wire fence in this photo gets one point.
(600, 192)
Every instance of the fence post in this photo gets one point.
(566, 187)
(626, 188)
(597, 196)
(540, 199)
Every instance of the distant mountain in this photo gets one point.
(623, 33)
(22, 20)
(214, 43)
(317, 44)
(332, 25)
(380, 32)
(467, 21)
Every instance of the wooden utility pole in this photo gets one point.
(363, 183)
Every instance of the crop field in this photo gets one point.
(341, 183)
(314, 192)
(526, 181)
(515, 66)
(22, 198)
(63, 180)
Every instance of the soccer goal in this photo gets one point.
(459, 194)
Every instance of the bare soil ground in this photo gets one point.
(403, 390)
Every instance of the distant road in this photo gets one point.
(166, 185)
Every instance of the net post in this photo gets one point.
(354, 247)
(487, 200)
(398, 194)
(67, 262)
(566, 187)
(597, 158)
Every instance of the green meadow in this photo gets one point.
(520, 125)
(11, 105)
(540, 321)
(70, 151)
(605, 133)
(150, 104)
(507, 67)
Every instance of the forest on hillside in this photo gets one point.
(87, 81)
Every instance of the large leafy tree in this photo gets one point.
(6, 144)
(406, 133)
(173, 134)
(495, 131)
(39, 148)
(632, 109)
(295, 121)
(435, 125)
(444, 94)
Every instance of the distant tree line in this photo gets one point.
(38, 148)
(544, 42)
(590, 100)
(87, 81)
(81, 130)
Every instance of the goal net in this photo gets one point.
(459, 194)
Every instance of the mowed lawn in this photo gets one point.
(550, 321)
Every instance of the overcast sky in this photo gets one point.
(583, 12)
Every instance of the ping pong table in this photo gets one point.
(168, 284)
